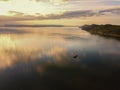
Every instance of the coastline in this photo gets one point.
(107, 30)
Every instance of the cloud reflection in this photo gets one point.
(11, 31)
(54, 46)
(45, 55)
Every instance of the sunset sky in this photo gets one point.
(65, 12)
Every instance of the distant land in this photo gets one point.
(107, 30)
(20, 25)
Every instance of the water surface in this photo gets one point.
(43, 59)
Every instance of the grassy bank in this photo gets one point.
(104, 30)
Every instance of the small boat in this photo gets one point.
(75, 56)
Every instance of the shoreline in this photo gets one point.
(107, 30)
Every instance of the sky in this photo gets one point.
(63, 12)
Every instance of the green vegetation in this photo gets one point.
(104, 30)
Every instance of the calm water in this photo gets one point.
(57, 59)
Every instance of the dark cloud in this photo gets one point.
(18, 16)
(114, 11)
(115, 2)
(16, 13)
(78, 14)
(71, 14)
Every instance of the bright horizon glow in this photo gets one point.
(29, 7)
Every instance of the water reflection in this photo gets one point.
(43, 59)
